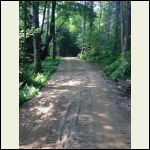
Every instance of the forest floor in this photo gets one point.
(78, 108)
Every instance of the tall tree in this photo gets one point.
(100, 15)
(84, 18)
(25, 28)
(43, 17)
(47, 38)
(52, 28)
(125, 12)
(48, 11)
(116, 26)
(108, 19)
(83, 23)
(127, 28)
(36, 37)
(41, 33)
(91, 16)
(121, 25)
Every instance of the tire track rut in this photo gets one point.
(75, 110)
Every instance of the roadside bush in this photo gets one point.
(30, 83)
(26, 93)
(116, 66)
(121, 68)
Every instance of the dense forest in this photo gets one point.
(97, 31)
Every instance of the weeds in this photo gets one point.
(115, 66)
(30, 83)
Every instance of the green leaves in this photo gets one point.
(29, 32)
(121, 68)
(30, 83)
(117, 67)
(26, 93)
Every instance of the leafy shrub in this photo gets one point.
(40, 79)
(115, 66)
(30, 83)
(104, 57)
(121, 68)
(112, 67)
(26, 93)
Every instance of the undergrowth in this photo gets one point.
(116, 66)
(30, 83)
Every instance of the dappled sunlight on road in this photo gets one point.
(107, 127)
(103, 116)
(74, 110)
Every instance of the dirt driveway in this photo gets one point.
(75, 110)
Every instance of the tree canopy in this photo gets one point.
(99, 31)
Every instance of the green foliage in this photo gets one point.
(39, 79)
(29, 32)
(99, 45)
(121, 68)
(85, 55)
(115, 66)
(26, 93)
(30, 83)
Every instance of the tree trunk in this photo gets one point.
(25, 27)
(127, 26)
(42, 26)
(43, 17)
(108, 20)
(91, 17)
(48, 9)
(52, 32)
(116, 27)
(47, 39)
(84, 20)
(83, 24)
(121, 25)
(100, 14)
(52, 29)
(36, 38)
(50, 39)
